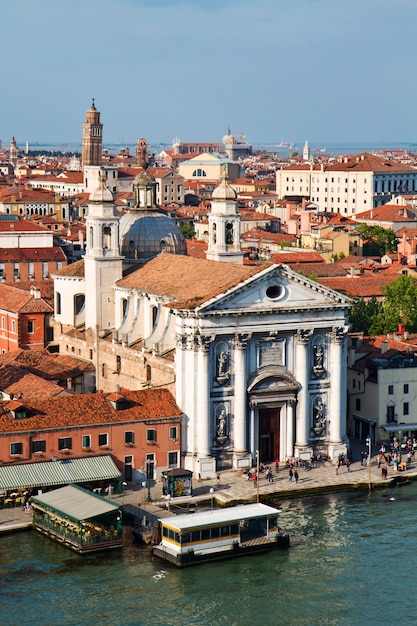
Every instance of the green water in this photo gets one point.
(353, 561)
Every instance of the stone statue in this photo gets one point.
(221, 426)
(318, 366)
(223, 367)
(319, 417)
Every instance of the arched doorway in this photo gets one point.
(272, 394)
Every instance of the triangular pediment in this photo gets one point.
(278, 287)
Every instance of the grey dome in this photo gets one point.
(145, 234)
(224, 191)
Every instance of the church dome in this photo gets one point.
(102, 193)
(144, 178)
(224, 192)
(145, 234)
(228, 138)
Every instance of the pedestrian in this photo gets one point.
(218, 479)
(348, 465)
(296, 476)
(277, 465)
(338, 465)
(290, 474)
(269, 475)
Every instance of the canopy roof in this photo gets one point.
(49, 473)
(75, 502)
(221, 516)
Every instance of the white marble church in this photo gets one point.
(254, 354)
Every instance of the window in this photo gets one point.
(58, 303)
(103, 439)
(65, 443)
(129, 437)
(172, 459)
(45, 269)
(390, 414)
(13, 326)
(16, 272)
(30, 328)
(406, 388)
(150, 434)
(118, 364)
(31, 269)
(16, 448)
(406, 408)
(358, 404)
(173, 432)
(86, 441)
(38, 446)
(3, 323)
(390, 390)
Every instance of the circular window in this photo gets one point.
(274, 292)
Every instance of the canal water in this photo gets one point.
(353, 561)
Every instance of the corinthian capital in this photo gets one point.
(240, 340)
(303, 335)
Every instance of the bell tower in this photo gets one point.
(102, 261)
(92, 141)
(224, 225)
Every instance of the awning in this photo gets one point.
(75, 502)
(396, 428)
(362, 418)
(64, 472)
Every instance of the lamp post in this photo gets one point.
(257, 476)
(123, 492)
(148, 478)
(211, 497)
(368, 443)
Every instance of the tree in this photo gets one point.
(364, 314)
(401, 304)
(188, 231)
(377, 240)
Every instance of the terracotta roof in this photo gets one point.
(54, 253)
(18, 301)
(363, 162)
(364, 286)
(20, 225)
(30, 388)
(297, 257)
(90, 409)
(74, 269)
(188, 281)
(390, 213)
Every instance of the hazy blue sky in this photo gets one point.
(322, 70)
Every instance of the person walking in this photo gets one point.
(338, 464)
(277, 465)
(348, 464)
(296, 477)
(290, 474)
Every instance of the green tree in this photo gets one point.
(401, 304)
(364, 314)
(377, 240)
(188, 231)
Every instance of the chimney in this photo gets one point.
(384, 346)
(35, 292)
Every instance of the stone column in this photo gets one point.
(290, 421)
(252, 442)
(302, 373)
(337, 369)
(240, 418)
(203, 396)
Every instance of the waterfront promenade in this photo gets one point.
(233, 488)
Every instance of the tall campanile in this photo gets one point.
(92, 138)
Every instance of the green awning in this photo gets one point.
(75, 502)
(63, 472)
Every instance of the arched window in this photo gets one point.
(106, 238)
(124, 307)
(58, 303)
(104, 370)
(199, 172)
(118, 364)
(229, 233)
(148, 373)
(154, 316)
(91, 237)
(79, 301)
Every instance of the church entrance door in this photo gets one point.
(269, 434)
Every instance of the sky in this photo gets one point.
(271, 70)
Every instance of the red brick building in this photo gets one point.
(26, 319)
(139, 429)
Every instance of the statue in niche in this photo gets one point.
(223, 374)
(318, 364)
(221, 431)
(319, 418)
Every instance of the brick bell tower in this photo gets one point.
(92, 142)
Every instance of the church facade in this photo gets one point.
(254, 354)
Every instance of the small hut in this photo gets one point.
(78, 518)
(177, 482)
